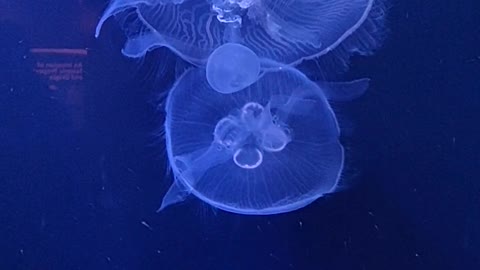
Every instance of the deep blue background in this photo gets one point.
(86, 198)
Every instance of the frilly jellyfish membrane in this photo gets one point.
(271, 148)
(284, 31)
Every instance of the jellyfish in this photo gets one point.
(270, 148)
(232, 67)
(284, 31)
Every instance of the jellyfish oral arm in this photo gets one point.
(177, 192)
(136, 47)
(293, 105)
(191, 168)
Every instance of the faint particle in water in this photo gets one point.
(144, 223)
(274, 256)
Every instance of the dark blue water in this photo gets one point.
(82, 173)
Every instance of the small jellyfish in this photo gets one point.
(270, 148)
(285, 31)
(232, 67)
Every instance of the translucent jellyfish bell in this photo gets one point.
(232, 67)
(270, 148)
(285, 31)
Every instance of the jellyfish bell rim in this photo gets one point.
(112, 9)
(343, 37)
(284, 208)
(277, 209)
(274, 210)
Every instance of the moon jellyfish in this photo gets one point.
(270, 148)
(285, 31)
(232, 67)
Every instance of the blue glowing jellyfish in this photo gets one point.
(285, 31)
(271, 148)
